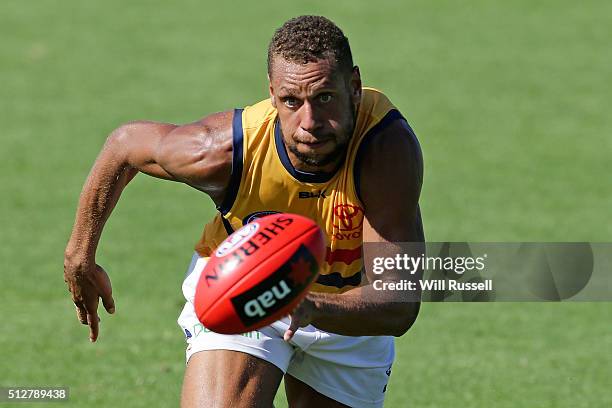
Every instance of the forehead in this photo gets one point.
(291, 74)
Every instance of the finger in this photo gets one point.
(109, 303)
(81, 314)
(290, 332)
(93, 321)
(92, 318)
(105, 289)
(288, 335)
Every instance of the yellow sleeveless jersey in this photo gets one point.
(264, 181)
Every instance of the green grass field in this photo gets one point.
(511, 102)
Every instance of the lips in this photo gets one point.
(314, 142)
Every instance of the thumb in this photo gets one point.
(105, 289)
(108, 302)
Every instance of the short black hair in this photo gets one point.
(306, 39)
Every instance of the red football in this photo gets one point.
(259, 273)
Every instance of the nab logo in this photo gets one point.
(310, 194)
(278, 289)
(266, 300)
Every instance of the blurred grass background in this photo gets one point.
(510, 101)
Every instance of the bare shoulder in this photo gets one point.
(200, 153)
(211, 132)
(391, 176)
(394, 151)
(214, 127)
(218, 122)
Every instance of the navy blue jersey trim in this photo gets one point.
(297, 174)
(237, 149)
(336, 280)
(227, 226)
(391, 116)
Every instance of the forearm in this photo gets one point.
(155, 149)
(101, 191)
(363, 311)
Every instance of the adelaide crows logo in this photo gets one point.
(348, 217)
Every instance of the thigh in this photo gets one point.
(343, 370)
(225, 378)
(301, 395)
(228, 370)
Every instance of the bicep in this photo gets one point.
(391, 180)
(196, 154)
(200, 154)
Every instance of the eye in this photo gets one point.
(290, 102)
(325, 98)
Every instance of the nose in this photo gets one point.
(309, 122)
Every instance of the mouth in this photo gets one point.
(315, 143)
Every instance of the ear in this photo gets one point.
(271, 90)
(355, 85)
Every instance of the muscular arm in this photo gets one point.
(391, 179)
(197, 154)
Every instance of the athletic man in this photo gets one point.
(321, 146)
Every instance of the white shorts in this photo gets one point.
(348, 369)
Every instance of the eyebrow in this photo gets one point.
(288, 91)
(325, 87)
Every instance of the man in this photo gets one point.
(321, 146)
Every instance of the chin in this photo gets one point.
(320, 160)
(316, 158)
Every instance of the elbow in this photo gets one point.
(125, 146)
(116, 142)
(120, 137)
(126, 136)
(406, 316)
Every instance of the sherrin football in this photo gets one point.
(259, 273)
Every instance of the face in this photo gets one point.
(316, 106)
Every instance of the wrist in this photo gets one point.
(78, 256)
(317, 311)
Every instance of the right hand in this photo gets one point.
(88, 282)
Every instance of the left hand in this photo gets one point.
(302, 316)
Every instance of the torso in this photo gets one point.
(263, 181)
